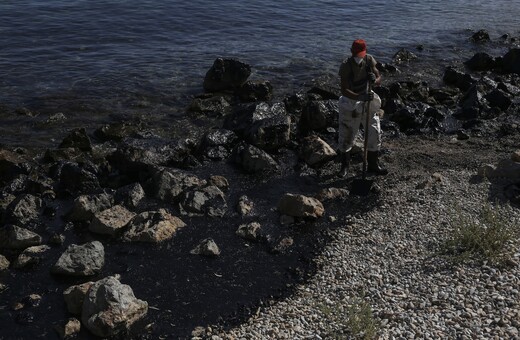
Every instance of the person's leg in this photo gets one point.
(374, 145)
(348, 128)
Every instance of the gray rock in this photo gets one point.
(270, 133)
(209, 201)
(86, 206)
(330, 194)
(75, 295)
(30, 256)
(167, 184)
(249, 231)
(78, 139)
(403, 56)
(13, 237)
(81, 260)
(318, 115)
(255, 91)
(254, 160)
(111, 221)
(504, 169)
(4, 263)
(130, 195)
(245, 205)
(300, 206)
(315, 151)
(24, 209)
(71, 328)
(212, 106)
(153, 226)
(226, 74)
(206, 247)
(480, 62)
(219, 181)
(111, 308)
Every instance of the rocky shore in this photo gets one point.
(245, 232)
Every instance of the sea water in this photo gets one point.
(97, 60)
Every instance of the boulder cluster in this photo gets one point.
(123, 184)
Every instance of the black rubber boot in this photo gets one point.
(345, 162)
(373, 164)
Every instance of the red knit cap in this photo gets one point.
(359, 48)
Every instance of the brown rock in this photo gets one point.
(300, 206)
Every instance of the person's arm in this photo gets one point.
(374, 69)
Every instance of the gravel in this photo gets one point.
(388, 259)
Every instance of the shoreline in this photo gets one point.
(202, 181)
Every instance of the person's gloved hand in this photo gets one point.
(371, 77)
(366, 97)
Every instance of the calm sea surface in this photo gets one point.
(96, 60)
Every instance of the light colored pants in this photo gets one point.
(351, 115)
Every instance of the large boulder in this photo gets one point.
(315, 151)
(168, 184)
(86, 206)
(210, 106)
(480, 62)
(300, 206)
(111, 221)
(318, 115)
(77, 179)
(253, 159)
(136, 158)
(270, 133)
(247, 118)
(506, 168)
(481, 36)
(130, 195)
(209, 201)
(217, 144)
(78, 139)
(456, 78)
(11, 165)
(226, 74)
(255, 91)
(81, 260)
(75, 295)
(511, 61)
(498, 98)
(111, 307)
(13, 237)
(153, 226)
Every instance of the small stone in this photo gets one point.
(245, 205)
(206, 247)
(4, 263)
(57, 240)
(249, 231)
(72, 327)
(111, 221)
(219, 181)
(74, 296)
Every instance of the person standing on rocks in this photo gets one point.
(356, 72)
